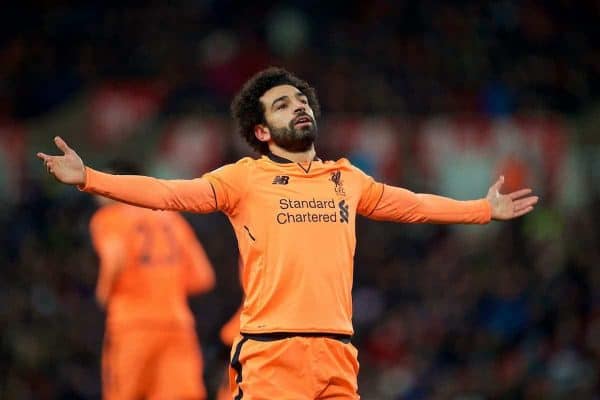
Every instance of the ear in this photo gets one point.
(262, 133)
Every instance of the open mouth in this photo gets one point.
(302, 120)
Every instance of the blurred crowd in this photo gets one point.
(511, 316)
(385, 56)
(506, 311)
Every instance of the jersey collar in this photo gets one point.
(282, 160)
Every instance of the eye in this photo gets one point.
(303, 101)
(281, 106)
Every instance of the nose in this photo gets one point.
(300, 108)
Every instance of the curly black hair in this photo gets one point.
(248, 111)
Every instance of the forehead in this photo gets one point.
(278, 91)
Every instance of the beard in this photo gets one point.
(295, 140)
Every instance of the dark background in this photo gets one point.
(435, 96)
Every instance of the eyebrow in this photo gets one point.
(285, 97)
(279, 99)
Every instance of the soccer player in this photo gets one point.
(294, 218)
(149, 263)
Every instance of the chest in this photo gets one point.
(326, 200)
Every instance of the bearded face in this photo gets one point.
(289, 118)
(298, 136)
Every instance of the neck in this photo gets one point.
(302, 157)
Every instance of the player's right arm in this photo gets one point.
(217, 191)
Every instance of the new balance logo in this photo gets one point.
(281, 180)
(343, 211)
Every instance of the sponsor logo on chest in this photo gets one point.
(293, 210)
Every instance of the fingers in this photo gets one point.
(61, 144)
(48, 162)
(523, 211)
(519, 193)
(498, 184)
(43, 156)
(525, 203)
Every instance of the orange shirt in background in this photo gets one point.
(149, 262)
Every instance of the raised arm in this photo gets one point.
(511, 205)
(68, 168)
(196, 195)
(401, 205)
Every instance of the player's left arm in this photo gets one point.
(401, 205)
(111, 252)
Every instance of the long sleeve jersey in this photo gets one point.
(295, 228)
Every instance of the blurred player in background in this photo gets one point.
(294, 216)
(149, 263)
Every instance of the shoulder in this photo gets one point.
(340, 162)
(110, 218)
(246, 161)
(343, 164)
(105, 214)
(242, 163)
(240, 166)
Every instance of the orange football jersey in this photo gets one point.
(158, 262)
(295, 227)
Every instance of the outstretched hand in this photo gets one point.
(67, 168)
(511, 205)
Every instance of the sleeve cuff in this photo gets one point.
(487, 210)
(86, 184)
